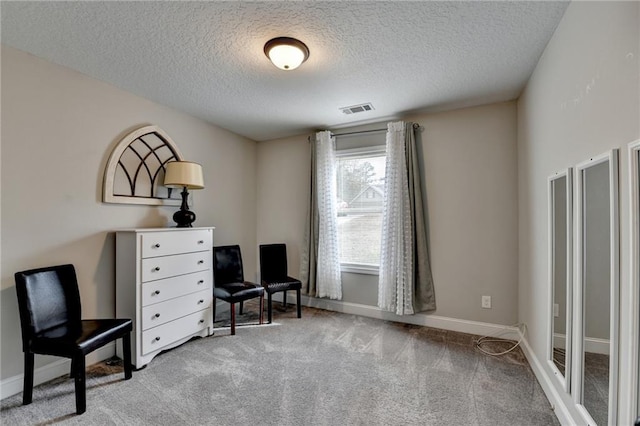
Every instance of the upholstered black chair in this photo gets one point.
(229, 284)
(273, 274)
(50, 318)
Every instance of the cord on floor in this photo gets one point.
(522, 327)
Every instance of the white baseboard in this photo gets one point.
(428, 320)
(53, 370)
(559, 340)
(559, 407)
(591, 344)
(595, 345)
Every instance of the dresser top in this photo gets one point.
(202, 228)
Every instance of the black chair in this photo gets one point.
(273, 274)
(50, 318)
(229, 284)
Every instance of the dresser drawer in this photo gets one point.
(157, 268)
(160, 313)
(163, 335)
(167, 243)
(169, 288)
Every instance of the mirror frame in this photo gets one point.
(564, 379)
(634, 219)
(614, 282)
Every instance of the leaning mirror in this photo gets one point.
(560, 274)
(597, 288)
(634, 185)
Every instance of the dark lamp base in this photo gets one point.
(184, 218)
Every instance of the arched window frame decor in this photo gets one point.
(114, 164)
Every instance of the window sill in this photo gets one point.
(359, 268)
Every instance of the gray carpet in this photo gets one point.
(596, 386)
(324, 369)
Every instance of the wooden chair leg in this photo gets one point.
(27, 390)
(126, 355)
(81, 386)
(269, 307)
(261, 309)
(233, 318)
(298, 300)
(284, 300)
(214, 309)
(241, 307)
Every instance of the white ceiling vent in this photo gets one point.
(357, 108)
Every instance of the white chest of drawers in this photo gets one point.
(164, 284)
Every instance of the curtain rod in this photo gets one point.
(415, 126)
(360, 132)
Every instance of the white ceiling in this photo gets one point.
(206, 58)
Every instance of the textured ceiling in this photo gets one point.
(206, 58)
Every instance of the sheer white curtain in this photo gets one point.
(328, 279)
(396, 276)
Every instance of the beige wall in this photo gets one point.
(582, 100)
(283, 190)
(469, 158)
(58, 129)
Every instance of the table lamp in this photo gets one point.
(185, 175)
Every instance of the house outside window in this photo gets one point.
(360, 192)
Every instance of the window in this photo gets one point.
(360, 180)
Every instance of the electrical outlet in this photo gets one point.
(486, 302)
(556, 310)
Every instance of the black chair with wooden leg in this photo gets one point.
(229, 284)
(50, 318)
(273, 273)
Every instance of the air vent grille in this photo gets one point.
(354, 109)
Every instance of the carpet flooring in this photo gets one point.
(596, 386)
(326, 368)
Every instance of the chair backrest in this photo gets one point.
(227, 265)
(273, 262)
(47, 298)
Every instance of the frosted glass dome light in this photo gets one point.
(286, 53)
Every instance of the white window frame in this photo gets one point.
(363, 152)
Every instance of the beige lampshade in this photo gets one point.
(180, 174)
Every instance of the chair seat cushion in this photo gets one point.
(287, 283)
(93, 334)
(237, 292)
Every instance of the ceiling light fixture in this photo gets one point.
(286, 53)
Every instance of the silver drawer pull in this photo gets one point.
(200, 241)
(200, 262)
(200, 301)
(201, 321)
(157, 315)
(156, 292)
(156, 245)
(156, 339)
(157, 268)
(200, 282)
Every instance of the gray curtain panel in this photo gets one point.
(309, 253)
(425, 297)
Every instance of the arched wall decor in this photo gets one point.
(135, 170)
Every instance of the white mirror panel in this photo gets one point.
(597, 288)
(560, 275)
(634, 197)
